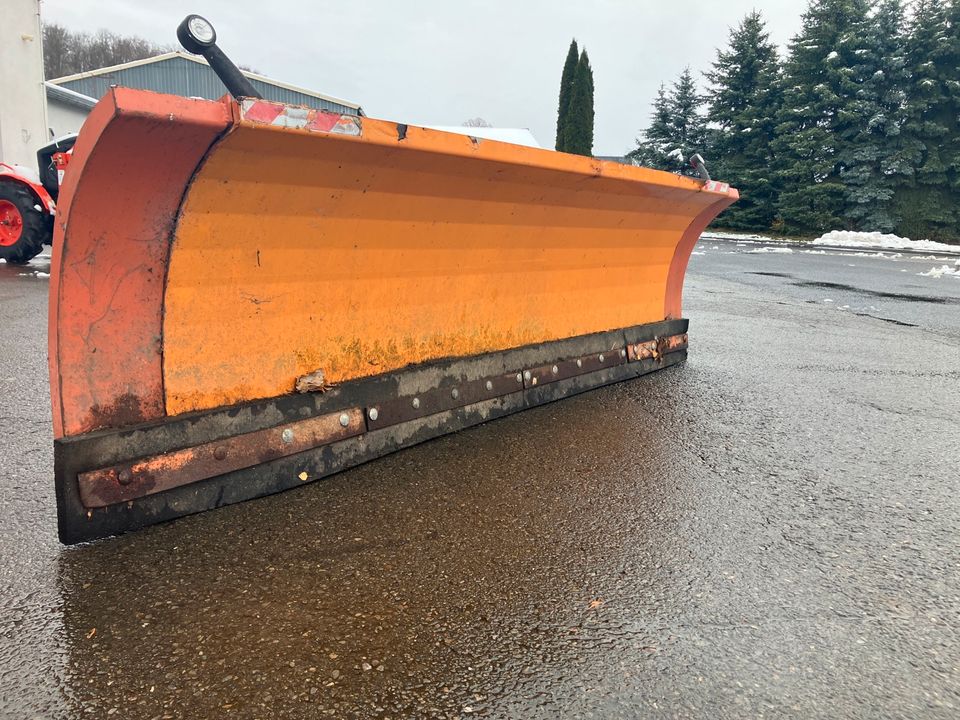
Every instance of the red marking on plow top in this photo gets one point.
(264, 112)
(323, 121)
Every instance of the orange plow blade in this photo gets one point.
(249, 296)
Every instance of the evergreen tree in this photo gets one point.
(926, 203)
(578, 125)
(873, 155)
(817, 115)
(676, 129)
(650, 146)
(566, 85)
(744, 99)
(686, 105)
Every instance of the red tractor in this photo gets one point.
(28, 202)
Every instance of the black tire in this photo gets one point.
(37, 226)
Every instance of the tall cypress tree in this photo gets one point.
(817, 115)
(566, 86)
(744, 99)
(873, 155)
(578, 125)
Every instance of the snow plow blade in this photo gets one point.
(212, 258)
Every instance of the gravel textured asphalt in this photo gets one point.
(769, 530)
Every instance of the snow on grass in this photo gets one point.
(770, 250)
(849, 239)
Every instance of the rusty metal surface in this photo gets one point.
(657, 348)
(127, 481)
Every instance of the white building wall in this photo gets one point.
(23, 123)
(64, 118)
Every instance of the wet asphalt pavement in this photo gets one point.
(770, 530)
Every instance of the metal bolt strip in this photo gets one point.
(448, 396)
(572, 367)
(149, 475)
(456, 395)
(146, 476)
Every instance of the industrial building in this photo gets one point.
(70, 98)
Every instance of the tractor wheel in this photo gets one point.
(23, 230)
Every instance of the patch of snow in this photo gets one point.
(698, 253)
(736, 236)
(849, 239)
(878, 254)
(815, 252)
(826, 300)
(833, 55)
(771, 250)
(943, 270)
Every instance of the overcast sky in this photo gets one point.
(440, 62)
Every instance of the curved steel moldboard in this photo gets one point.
(106, 468)
(390, 246)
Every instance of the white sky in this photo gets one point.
(440, 62)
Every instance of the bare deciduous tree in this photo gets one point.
(66, 52)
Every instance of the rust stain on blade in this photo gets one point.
(657, 348)
(146, 476)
